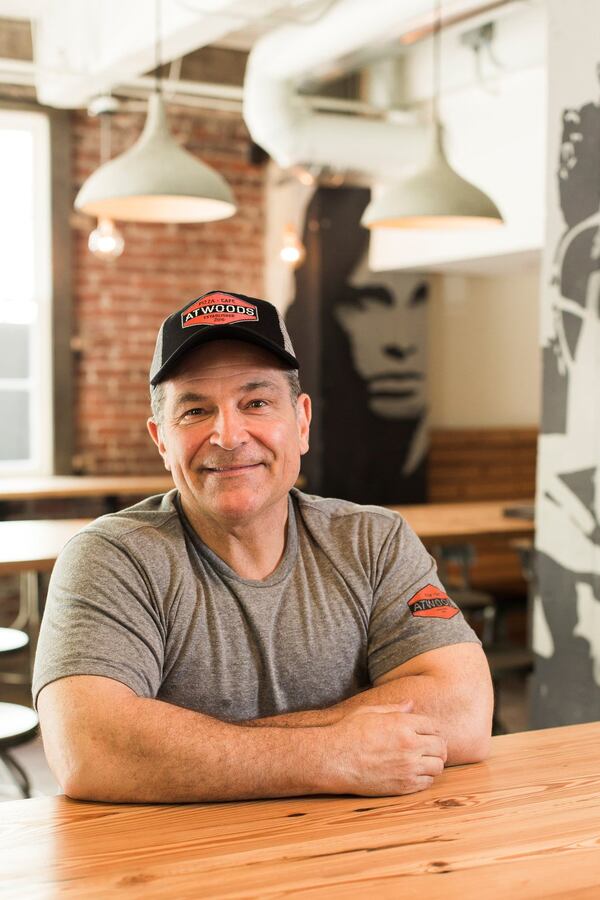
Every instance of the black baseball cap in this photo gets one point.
(220, 315)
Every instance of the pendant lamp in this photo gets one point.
(106, 241)
(156, 180)
(434, 197)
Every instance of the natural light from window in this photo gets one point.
(25, 295)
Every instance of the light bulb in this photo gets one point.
(293, 251)
(106, 241)
(306, 175)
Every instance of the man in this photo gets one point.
(236, 638)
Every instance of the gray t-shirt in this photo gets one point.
(136, 596)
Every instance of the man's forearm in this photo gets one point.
(123, 748)
(315, 718)
(450, 705)
(306, 718)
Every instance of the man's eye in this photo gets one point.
(257, 404)
(194, 412)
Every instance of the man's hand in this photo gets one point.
(383, 750)
(451, 686)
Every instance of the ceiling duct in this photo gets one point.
(496, 132)
(279, 118)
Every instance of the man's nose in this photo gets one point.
(398, 352)
(229, 430)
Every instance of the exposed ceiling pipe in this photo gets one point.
(278, 117)
(84, 48)
(280, 121)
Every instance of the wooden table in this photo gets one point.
(447, 522)
(34, 545)
(523, 824)
(60, 487)
(38, 542)
(29, 549)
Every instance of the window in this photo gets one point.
(26, 437)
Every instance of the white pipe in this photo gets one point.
(293, 51)
(279, 119)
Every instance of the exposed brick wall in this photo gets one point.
(481, 464)
(118, 306)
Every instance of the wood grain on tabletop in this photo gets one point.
(453, 521)
(523, 824)
(34, 545)
(64, 486)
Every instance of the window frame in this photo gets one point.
(54, 426)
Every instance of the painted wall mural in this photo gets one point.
(361, 337)
(566, 620)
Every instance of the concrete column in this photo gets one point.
(566, 622)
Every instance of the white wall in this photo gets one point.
(484, 358)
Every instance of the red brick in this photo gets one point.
(118, 306)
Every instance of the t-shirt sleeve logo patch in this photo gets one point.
(431, 602)
(219, 309)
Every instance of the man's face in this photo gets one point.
(230, 435)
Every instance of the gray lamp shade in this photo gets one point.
(434, 197)
(156, 180)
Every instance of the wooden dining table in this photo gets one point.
(32, 546)
(440, 523)
(29, 549)
(523, 824)
(69, 487)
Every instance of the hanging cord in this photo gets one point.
(174, 68)
(173, 77)
(157, 47)
(437, 28)
(104, 137)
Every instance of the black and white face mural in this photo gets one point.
(370, 328)
(384, 317)
(566, 624)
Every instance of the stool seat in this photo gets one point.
(11, 640)
(17, 724)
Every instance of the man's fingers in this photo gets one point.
(433, 745)
(423, 725)
(419, 783)
(431, 766)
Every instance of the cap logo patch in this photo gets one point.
(219, 309)
(432, 603)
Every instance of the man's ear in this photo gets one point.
(303, 417)
(155, 434)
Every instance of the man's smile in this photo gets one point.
(230, 470)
